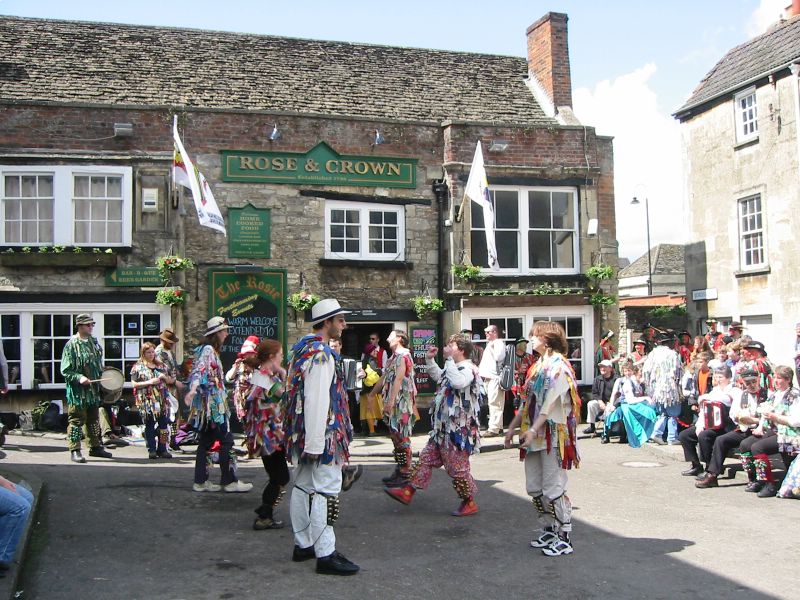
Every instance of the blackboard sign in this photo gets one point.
(253, 304)
(423, 338)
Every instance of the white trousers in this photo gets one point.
(314, 483)
(546, 480)
(593, 410)
(496, 399)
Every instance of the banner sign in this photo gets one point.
(321, 165)
(423, 338)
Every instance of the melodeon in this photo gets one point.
(351, 381)
(715, 413)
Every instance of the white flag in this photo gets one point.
(477, 190)
(185, 173)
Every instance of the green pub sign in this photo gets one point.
(252, 303)
(249, 232)
(134, 277)
(321, 165)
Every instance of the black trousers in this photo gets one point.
(722, 445)
(205, 440)
(690, 440)
(278, 472)
(768, 444)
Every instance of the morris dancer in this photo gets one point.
(239, 374)
(399, 405)
(209, 411)
(148, 378)
(547, 440)
(318, 434)
(264, 430)
(82, 366)
(455, 419)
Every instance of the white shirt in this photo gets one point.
(495, 352)
(317, 402)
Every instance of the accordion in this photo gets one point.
(351, 373)
(715, 413)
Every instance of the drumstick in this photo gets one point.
(97, 380)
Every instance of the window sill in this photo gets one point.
(752, 272)
(745, 144)
(372, 264)
(64, 259)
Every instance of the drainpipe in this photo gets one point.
(795, 69)
(439, 188)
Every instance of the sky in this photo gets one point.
(633, 63)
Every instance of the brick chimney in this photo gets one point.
(548, 57)
(792, 10)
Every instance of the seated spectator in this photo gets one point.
(601, 393)
(697, 380)
(713, 420)
(15, 506)
(744, 414)
(779, 432)
(629, 408)
(754, 356)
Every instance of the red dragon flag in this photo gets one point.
(185, 173)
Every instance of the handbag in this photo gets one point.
(507, 369)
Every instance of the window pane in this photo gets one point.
(98, 187)
(62, 325)
(514, 329)
(539, 249)
(98, 210)
(351, 246)
(562, 249)
(574, 346)
(113, 348)
(82, 209)
(389, 233)
(45, 209)
(507, 252)
(132, 324)
(337, 245)
(375, 232)
(81, 186)
(390, 247)
(45, 186)
(337, 216)
(41, 325)
(575, 327)
(114, 210)
(337, 231)
(30, 232)
(352, 216)
(506, 210)
(82, 232)
(9, 326)
(539, 210)
(12, 209)
(478, 253)
(562, 210)
(12, 186)
(98, 232)
(114, 235)
(114, 188)
(390, 218)
(477, 216)
(29, 210)
(351, 231)
(375, 217)
(29, 186)
(112, 325)
(375, 247)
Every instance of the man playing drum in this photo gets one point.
(82, 367)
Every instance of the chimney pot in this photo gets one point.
(548, 57)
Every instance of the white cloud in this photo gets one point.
(646, 152)
(767, 13)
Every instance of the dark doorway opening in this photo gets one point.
(356, 336)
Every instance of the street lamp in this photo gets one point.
(635, 202)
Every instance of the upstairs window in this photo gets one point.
(746, 115)
(363, 231)
(535, 230)
(66, 205)
(752, 253)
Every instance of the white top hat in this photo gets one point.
(325, 309)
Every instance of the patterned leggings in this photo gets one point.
(454, 461)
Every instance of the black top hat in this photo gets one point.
(754, 345)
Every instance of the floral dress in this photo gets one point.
(404, 415)
(150, 400)
(210, 403)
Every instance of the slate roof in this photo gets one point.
(749, 62)
(43, 60)
(667, 259)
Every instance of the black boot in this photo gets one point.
(99, 452)
(693, 471)
(76, 456)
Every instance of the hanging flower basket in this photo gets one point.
(302, 301)
(468, 273)
(426, 306)
(170, 263)
(173, 296)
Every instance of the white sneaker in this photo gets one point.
(559, 547)
(238, 486)
(544, 540)
(206, 486)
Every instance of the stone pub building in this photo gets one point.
(339, 169)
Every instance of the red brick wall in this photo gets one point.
(548, 57)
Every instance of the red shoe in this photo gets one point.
(401, 494)
(468, 507)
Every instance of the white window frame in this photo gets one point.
(530, 314)
(26, 312)
(746, 117)
(364, 209)
(755, 232)
(64, 204)
(522, 232)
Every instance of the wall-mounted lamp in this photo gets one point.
(379, 139)
(123, 129)
(591, 228)
(498, 146)
(248, 269)
(275, 134)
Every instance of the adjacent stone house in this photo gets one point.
(741, 158)
(339, 169)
